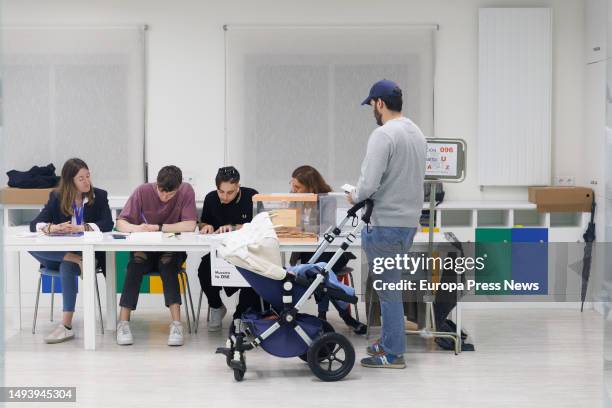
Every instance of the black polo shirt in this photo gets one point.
(238, 211)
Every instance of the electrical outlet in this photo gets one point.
(189, 178)
(564, 180)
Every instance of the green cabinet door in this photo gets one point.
(121, 262)
(495, 246)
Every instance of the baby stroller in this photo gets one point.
(285, 332)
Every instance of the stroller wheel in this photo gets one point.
(239, 367)
(228, 359)
(238, 374)
(331, 357)
(327, 328)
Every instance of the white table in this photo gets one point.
(12, 242)
(88, 245)
(179, 243)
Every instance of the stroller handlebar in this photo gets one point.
(369, 206)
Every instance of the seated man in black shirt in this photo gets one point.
(225, 210)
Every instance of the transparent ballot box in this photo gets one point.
(295, 215)
(332, 210)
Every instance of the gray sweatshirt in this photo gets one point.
(392, 174)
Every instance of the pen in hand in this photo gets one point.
(146, 227)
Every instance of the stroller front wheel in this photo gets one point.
(238, 374)
(326, 327)
(331, 357)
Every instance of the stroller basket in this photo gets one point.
(285, 342)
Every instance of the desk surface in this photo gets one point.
(13, 240)
(118, 202)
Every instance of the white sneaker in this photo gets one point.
(216, 317)
(59, 334)
(124, 334)
(175, 338)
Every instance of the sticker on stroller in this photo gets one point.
(223, 273)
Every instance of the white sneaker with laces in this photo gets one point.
(216, 317)
(59, 334)
(175, 338)
(124, 334)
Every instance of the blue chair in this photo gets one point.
(53, 273)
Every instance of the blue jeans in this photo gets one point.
(68, 272)
(387, 242)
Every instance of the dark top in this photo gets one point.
(36, 177)
(238, 211)
(97, 212)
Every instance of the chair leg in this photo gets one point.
(99, 305)
(182, 275)
(52, 295)
(36, 305)
(190, 300)
(197, 320)
(356, 304)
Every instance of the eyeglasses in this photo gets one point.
(229, 171)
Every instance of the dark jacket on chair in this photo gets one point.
(97, 213)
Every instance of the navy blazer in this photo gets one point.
(97, 213)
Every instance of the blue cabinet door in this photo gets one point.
(530, 261)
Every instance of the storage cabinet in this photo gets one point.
(516, 255)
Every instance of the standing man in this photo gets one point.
(169, 206)
(225, 209)
(392, 176)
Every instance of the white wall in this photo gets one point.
(186, 68)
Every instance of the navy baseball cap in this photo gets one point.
(382, 89)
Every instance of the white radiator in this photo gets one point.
(514, 90)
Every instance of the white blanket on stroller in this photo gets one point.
(254, 247)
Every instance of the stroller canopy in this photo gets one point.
(254, 247)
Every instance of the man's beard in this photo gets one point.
(378, 117)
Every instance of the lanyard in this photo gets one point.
(78, 213)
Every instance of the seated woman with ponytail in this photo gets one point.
(307, 179)
(74, 207)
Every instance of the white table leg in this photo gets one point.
(89, 303)
(111, 292)
(18, 257)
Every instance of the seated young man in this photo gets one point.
(225, 209)
(169, 206)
